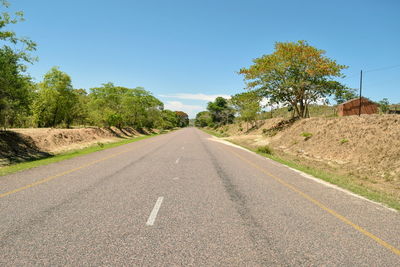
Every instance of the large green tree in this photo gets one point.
(248, 106)
(203, 119)
(105, 106)
(295, 74)
(169, 120)
(183, 119)
(15, 85)
(221, 112)
(80, 113)
(16, 89)
(56, 100)
(118, 106)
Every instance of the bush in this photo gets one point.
(306, 135)
(264, 150)
(344, 141)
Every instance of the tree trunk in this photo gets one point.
(302, 109)
(55, 117)
(307, 112)
(295, 109)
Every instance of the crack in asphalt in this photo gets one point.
(258, 235)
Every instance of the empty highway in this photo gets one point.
(187, 199)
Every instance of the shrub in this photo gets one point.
(306, 135)
(264, 150)
(344, 141)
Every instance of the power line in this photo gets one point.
(373, 70)
(384, 68)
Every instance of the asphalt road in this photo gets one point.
(185, 199)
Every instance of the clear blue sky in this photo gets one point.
(186, 52)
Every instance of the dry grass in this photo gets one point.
(364, 149)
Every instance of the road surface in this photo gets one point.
(186, 199)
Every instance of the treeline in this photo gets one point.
(54, 102)
(295, 76)
(246, 106)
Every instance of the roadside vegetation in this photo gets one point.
(288, 113)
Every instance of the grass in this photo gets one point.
(68, 155)
(306, 135)
(342, 181)
(217, 134)
(346, 182)
(314, 110)
(264, 150)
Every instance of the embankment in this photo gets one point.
(365, 149)
(19, 145)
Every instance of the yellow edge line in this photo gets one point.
(47, 179)
(322, 206)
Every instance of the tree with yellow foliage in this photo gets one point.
(296, 74)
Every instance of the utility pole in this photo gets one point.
(359, 108)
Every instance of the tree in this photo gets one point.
(203, 119)
(384, 105)
(105, 107)
(296, 74)
(247, 105)
(183, 119)
(345, 94)
(80, 112)
(56, 100)
(16, 89)
(118, 106)
(141, 109)
(221, 112)
(169, 119)
(15, 86)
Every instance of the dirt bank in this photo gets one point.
(366, 147)
(17, 145)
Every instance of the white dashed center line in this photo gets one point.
(153, 214)
(177, 160)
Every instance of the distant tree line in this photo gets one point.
(54, 102)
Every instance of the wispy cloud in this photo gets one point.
(191, 110)
(202, 97)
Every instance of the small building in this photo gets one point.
(352, 107)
